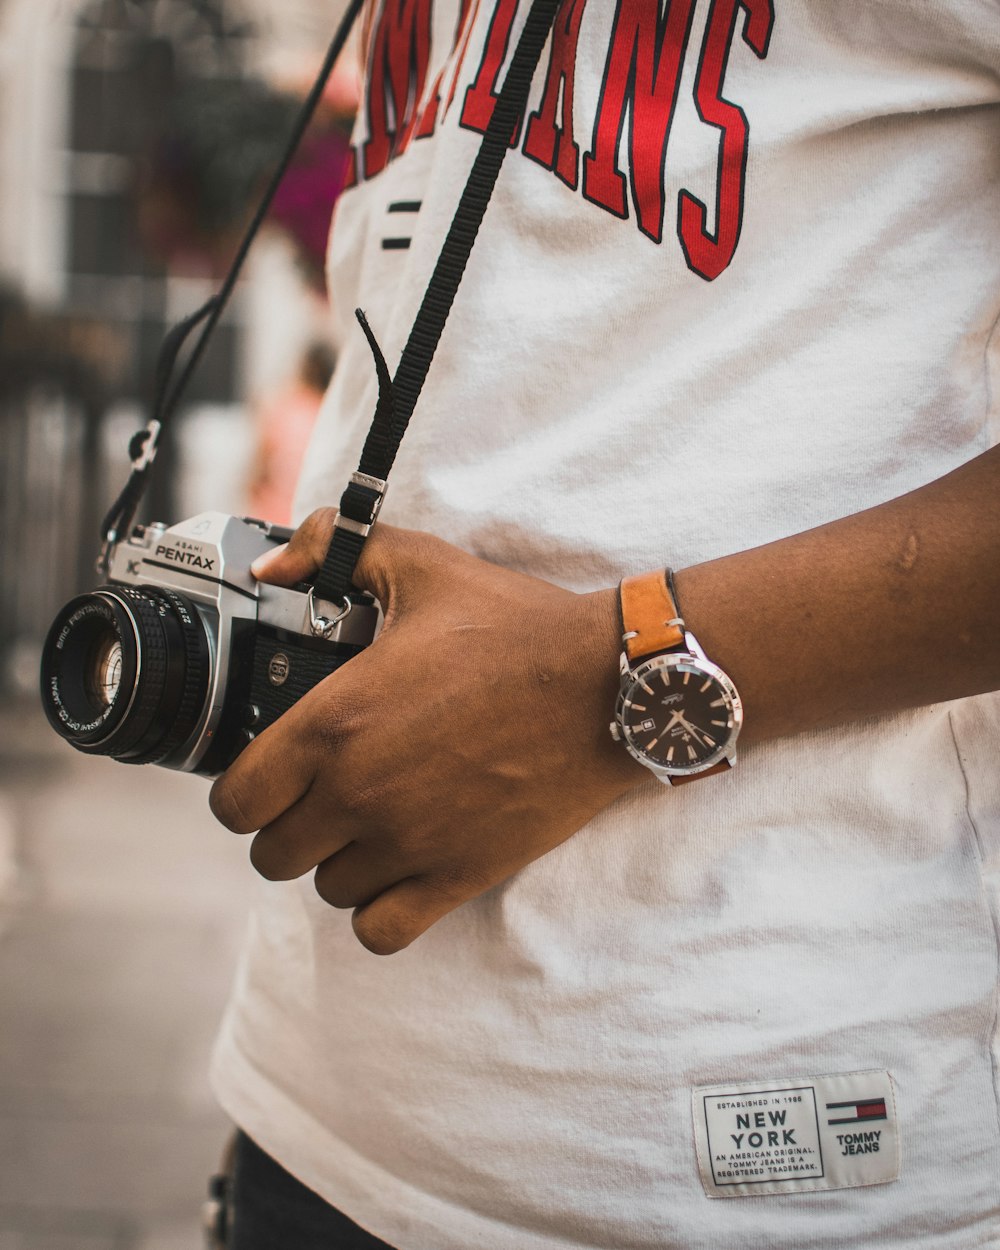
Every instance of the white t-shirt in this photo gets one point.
(740, 276)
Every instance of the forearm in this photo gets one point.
(413, 787)
(894, 607)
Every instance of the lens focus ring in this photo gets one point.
(187, 698)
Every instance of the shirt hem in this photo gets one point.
(380, 1203)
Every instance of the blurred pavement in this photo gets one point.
(122, 904)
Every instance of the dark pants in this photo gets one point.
(271, 1210)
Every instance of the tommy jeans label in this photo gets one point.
(801, 1134)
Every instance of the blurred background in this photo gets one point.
(135, 138)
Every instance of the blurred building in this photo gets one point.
(102, 248)
(121, 904)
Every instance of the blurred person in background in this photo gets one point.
(283, 427)
(751, 334)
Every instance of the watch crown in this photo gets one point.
(616, 733)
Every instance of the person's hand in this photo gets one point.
(468, 740)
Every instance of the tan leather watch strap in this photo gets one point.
(680, 780)
(650, 615)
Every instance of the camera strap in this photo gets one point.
(398, 395)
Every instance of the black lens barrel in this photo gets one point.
(164, 672)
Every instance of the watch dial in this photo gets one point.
(678, 715)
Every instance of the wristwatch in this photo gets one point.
(677, 712)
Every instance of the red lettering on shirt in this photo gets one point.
(429, 109)
(642, 73)
(397, 68)
(482, 95)
(550, 145)
(648, 43)
(709, 254)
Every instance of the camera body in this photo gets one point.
(182, 658)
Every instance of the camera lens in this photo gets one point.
(104, 676)
(125, 672)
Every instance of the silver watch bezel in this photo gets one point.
(693, 657)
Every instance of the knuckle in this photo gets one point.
(383, 561)
(456, 884)
(331, 720)
(330, 733)
(271, 859)
(347, 800)
(382, 930)
(317, 522)
(314, 532)
(332, 888)
(310, 540)
(361, 801)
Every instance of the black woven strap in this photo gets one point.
(362, 499)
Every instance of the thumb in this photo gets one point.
(301, 556)
(387, 552)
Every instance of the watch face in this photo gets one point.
(680, 713)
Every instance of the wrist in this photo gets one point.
(597, 628)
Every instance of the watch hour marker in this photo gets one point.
(692, 753)
(721, 723)
(709, 742)
(670, 756)
(636, 707)
(687, 678)
(649, 745)
(708, 682)
(718, 703)
(648, 689)
(665, 676)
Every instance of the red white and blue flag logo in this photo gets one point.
(857, 1112)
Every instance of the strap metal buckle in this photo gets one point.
(376, 484)
(323, 626)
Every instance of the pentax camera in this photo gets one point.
(182, 658)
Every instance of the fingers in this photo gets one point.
(299, 558)
(298, 785)
(400, 914)
(271, 775)
(359, 873)
(295, 844)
